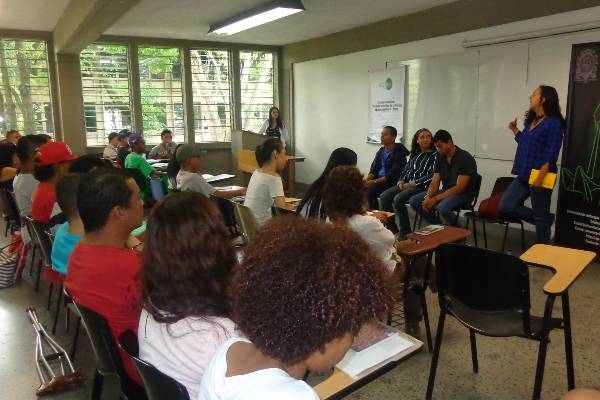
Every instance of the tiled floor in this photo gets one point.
(506, 365)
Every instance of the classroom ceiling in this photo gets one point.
(190, 19)
(31, 15)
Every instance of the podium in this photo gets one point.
(243, 146)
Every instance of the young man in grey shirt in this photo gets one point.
(456, 170)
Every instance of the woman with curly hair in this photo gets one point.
(302, 293)
(344, 200)
(187, 263)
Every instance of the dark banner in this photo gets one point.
(578, 213)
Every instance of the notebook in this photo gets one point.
(549, 179)
(429, 229)
(376, 345)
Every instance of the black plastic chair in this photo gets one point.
(158, 385)
(107, 356)
(500, 186)
(226, 208)
(12, 218)
(488, 292)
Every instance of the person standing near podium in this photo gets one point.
(538, 145)
(274, 127)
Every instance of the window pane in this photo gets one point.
(211, 83)
(257, 88)
(161, 92)
(25, 101)
(105, 81)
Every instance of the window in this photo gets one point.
(257, 87)
(105, 81)
(211, 83)
(25, 86)
(161, 92)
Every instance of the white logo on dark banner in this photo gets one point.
(586, 69)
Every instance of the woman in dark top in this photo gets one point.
(9, 164)
(311, 205)
(274, 127)
(415, 178)
(538, 146)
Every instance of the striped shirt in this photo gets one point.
(419, 169)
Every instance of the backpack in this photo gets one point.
(490, 207)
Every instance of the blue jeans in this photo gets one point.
(395, 200)
(512, 206)
(446, 208)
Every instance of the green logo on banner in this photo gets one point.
(388, 83)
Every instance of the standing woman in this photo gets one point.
(274, 127)
(415, 178)
(538, 146)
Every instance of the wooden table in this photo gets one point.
(420, 245)
(567, 265)
(339, 384)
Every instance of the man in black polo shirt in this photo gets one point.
(456, 170)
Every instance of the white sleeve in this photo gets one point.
(263, 128)
(200, 185)
(153, 152)
(378, 233)
(275, 187)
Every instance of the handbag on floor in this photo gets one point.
(8, 267)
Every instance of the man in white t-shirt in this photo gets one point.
(189, 157)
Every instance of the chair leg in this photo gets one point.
(475, 233)
(50, 290)
(485, 242)
(32, 261)
(57, 311)
(474, 351)
(436, 354)
(541, 361)
(424, 302)
(75, 339)
(568, 341)
(37, 278)
(522, 237)
(97, 386)
(505, 236)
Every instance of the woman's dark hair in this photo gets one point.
(7, 150)
(99, 192)
(187, 261)
(415, 149)
(263, 152)
(279, 123)
(27, 145)
(313, 199)
(173, 166)
(88, 162)
(66, 194)
(304, 283)
(551, 106)
(344, 194)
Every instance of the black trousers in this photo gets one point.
(375, 191)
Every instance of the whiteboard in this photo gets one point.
(503, 95)
(442, 94)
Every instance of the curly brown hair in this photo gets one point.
(344, 194)
(187, 261)
(304, 283)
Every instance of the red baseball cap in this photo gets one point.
(54, 152)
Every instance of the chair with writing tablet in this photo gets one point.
(247, 221)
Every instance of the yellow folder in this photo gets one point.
(549, 178)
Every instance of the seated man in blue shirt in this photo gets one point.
(69, 233)
(386, 167)
(455, 169)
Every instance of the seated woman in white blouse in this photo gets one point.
(290, 297)
(344, 200)
(187, 262)
(266, 188)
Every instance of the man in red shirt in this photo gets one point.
(103, 268)
(53, 162)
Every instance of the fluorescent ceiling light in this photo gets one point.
(258, 16)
